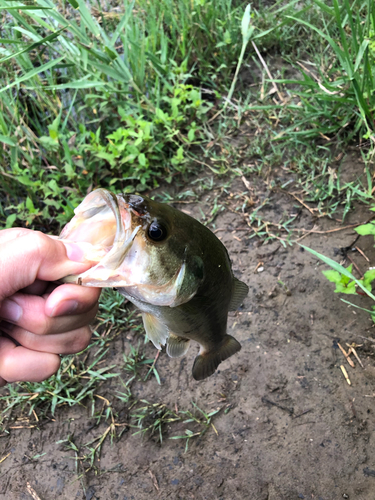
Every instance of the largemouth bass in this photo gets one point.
(174, 269)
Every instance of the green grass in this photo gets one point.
(123, 97)
(147, 419)
(92, 99)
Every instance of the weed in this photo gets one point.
(134, 361)
(343, 277)
(335, 95)
(73, 384)
(80, 109)
(152, 418)
(205, 423)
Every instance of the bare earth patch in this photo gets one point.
(289, 426)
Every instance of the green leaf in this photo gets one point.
(25, 7)
(111, 53)
(368, 278)
(9, 40)
(53, 404)
(360, 54)
(7, 140)
(74, 4)
(191, 134)
(122, 23)
(77, 84)
(88, 20)
(156, 376)
(345, 279)
(245, 23)
(54, 128)
(112, 72)
(333, 276)
(366, 229)
(10, 220)
(343, 288)
(325, 7)
(262, 33)
(30, 205)
(142, 159)
(361, 308)
(23, 179)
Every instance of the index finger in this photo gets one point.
(12, 233)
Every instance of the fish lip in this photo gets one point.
(121, 244)
(113, 202)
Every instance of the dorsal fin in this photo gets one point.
(240, 290)
(156, 331)
(177, 346)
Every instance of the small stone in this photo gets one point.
(345, 495)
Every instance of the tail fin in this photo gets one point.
(205, 364)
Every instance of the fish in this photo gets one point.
(169, 265)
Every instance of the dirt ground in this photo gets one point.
(290, 427)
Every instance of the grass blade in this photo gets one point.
(33, 46)
(338, 267)
(32, 73)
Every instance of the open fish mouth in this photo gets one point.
(103, 222)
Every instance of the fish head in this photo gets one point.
(146, 248)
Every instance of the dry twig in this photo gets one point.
(268, 73)
(311, 210)
(362, 253)
(345, 374)
(355, 265)
(4, 458)
(347, 356)
(154, 480)
(32, 492)
(352, 349)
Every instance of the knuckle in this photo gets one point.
(38, 242)
(44, 327)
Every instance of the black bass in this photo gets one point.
(174, 269)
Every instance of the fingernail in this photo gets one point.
(10, 310)
(75, 252)
(64, 308)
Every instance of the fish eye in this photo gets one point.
(157, 232)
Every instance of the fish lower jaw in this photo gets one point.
(103, 281)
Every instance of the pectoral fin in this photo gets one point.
(156, 331)
(177, 346)
(239, 292)
(206, 363)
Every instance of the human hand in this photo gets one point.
(40, 319)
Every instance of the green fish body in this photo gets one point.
(174, 269)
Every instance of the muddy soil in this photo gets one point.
(290, 426)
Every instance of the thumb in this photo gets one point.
(33, 255)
